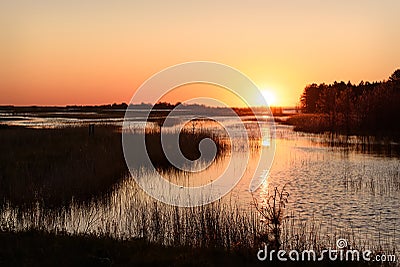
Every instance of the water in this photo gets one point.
(337, 189)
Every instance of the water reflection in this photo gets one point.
(336, 188)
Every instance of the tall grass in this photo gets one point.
(52, 166)
(126, 212)
(272, 212)
(189, 142)
(223, 225)
(365, 143)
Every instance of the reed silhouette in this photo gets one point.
(50, 166)
(54, 166)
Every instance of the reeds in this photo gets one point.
(272, 212)
(223, 225)
(125, 211)
(52, 166)
(310, 123)
(189, 142)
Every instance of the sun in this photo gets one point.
(269, 97)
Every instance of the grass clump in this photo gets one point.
(52, 166)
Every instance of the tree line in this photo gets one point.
(365, 108)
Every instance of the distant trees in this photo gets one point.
(366, 108)
(395, 76)
(310, 97)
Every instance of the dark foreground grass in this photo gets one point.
(52, 166)
(35, 248)
(212, 235)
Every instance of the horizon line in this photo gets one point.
(136, 104)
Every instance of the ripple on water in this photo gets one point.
(354, 189)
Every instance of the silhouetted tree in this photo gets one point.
(309, 98)
(366, 108)
(395, 76)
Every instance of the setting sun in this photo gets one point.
(239, 132)
(269, 97)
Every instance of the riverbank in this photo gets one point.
(321, 123)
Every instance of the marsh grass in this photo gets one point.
(141, 229)
(311, 123)
(125, 212)
(62, 249)
(52, 166)
(189, 142)
(364, 142)
(272, 212)
(147, 224)
(374, 183)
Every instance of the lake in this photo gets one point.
(334, 191)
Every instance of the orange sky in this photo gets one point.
(68, 52)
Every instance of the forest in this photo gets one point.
(367, 108)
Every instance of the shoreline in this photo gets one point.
(318, 124)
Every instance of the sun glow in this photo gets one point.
(269, 97)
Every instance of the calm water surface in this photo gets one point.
(335, 189)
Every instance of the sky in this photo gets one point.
(98, 52)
